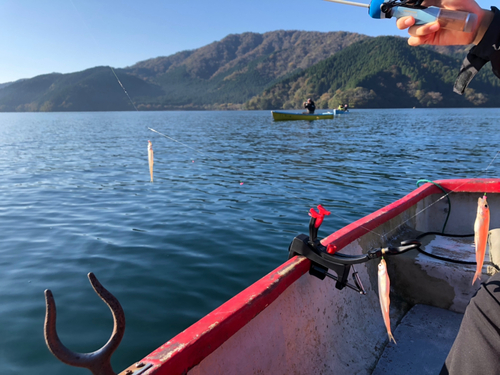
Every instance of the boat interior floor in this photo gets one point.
(424, 338)
(439, 277)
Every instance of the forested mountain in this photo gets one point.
(2, 85)
(220, 75)
(382, 72)
(94, 89)
(238, 67)
(261, 71)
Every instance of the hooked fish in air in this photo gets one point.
(150, 158)
(481, 228)
(384, 286)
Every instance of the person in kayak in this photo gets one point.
(310, 106)
(477, 346)
(485, 36)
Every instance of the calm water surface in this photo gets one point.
(75, 197)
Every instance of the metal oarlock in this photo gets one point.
(99, 362)
(324, 258)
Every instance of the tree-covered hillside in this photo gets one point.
(236, 68)
(95, 89)
(382, 72)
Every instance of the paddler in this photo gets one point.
(310, 106)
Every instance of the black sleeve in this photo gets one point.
(477, 346)
(487, 50)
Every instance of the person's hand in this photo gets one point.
(432, 33)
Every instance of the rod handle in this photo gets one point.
(448, 19)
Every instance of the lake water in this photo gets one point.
(75, 197)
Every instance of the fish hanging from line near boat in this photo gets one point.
(384, 287)
(481, 229)
(150, 159)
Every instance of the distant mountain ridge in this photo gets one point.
(2, 85)
(220, 75)
(298, 48)
(94, 89)
(241, 71)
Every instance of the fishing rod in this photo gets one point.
(124, 90)
(448, 19)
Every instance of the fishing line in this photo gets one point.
(308, 206)
(185, 145)
(265, 182)
(382, 236)
(125, 91)
(238, 171)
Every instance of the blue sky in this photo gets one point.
(65, 36)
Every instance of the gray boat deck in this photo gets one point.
(424, 338)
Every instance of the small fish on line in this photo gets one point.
(481, 229)
(384, 288)
(150, 159)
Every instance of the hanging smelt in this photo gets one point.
(384, 287)
(150, 158)
(481, 229)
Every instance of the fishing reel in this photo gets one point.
(448, 19)
(387, 6)
(324, 258)
(386, 9)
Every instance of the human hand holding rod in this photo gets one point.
(451, 19)
(434, 34)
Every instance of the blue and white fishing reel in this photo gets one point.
(448, 19)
